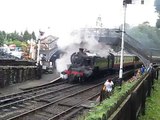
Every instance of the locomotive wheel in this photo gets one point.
(71, 79)
(81, 79)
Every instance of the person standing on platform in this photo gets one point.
(105, 91)
(109, 86)
(142, 70)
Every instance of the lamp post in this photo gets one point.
(41, 33)
(38, 49)
(122, 42)
(125, 2)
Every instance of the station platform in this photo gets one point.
(15, 88)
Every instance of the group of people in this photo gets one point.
(143, 69)
(109, 85)
(139, 72)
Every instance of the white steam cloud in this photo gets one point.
(71, 43)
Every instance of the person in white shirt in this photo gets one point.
(106, 90)
(108, 86)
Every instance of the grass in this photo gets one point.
(153, 104)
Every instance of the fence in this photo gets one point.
(134, 103)
(16, 74)
(15, 71)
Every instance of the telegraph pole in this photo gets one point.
(122, 42)
(125, 2)
(39, 42)
(38, 49)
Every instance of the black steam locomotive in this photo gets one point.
(84, 65)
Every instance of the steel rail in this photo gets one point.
(5, 98)
(71, 108)
(33, 97)
(51, 103)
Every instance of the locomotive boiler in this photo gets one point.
(85, 65)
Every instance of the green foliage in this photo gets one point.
(108, 104)
(16, 38)
(147, 35)
(27, 35)
(33, 36)
(158, 23)
(157, 5)
(2, 37)
(152, 104)
(18, 43)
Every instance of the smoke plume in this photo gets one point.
(73, 41)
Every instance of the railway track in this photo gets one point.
(28, 91)
(27, 102)
(20, 102)
(49, 102)
(58, 108)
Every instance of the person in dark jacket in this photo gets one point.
(142, 69)
(39, 71)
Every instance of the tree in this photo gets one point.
(26, 36)
(15, 36)
(158, 23)
(2, 37)
(157, 7)
(147, 35)
(33, 35)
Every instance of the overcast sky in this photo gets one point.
(61, 15)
